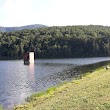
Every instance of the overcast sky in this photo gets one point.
(54, 12)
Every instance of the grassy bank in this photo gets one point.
(90, 92)
(1, 107)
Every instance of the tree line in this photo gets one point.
(57, 42)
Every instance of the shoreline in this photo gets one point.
(20, 58)
(34, 99)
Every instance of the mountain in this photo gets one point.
(10, 29)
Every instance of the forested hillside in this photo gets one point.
(10, 29)
(57, 42)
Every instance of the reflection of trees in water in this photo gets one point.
(74, 72)
(91, 67)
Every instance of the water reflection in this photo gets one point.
(17, 81)
(32, 72)
(14, 82)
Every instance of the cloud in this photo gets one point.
(17, 12)
(54, 12)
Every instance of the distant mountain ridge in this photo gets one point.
(10, 29)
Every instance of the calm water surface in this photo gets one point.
(17, 81)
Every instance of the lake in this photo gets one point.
(18, 81)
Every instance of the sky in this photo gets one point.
(54, 12)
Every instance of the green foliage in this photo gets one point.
(57, 42)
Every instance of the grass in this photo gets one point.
(1, 107)
(91, 92)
